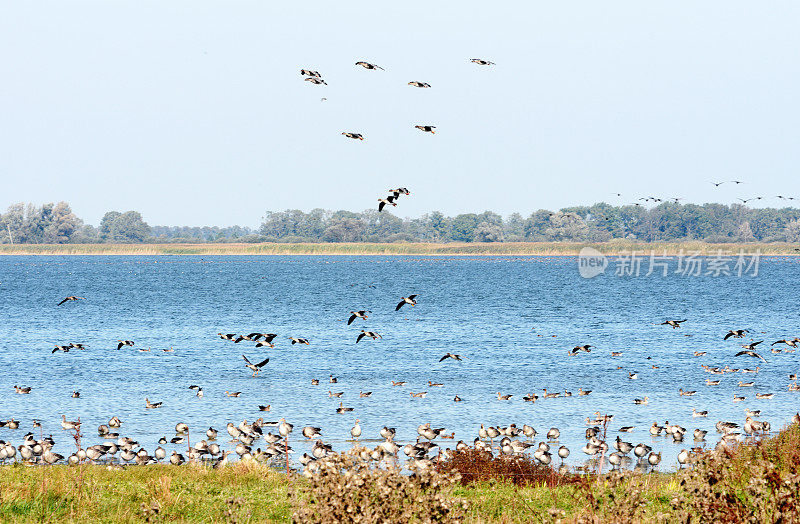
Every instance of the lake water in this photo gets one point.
(513, 320)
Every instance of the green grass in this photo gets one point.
(473, 248)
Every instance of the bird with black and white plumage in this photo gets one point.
(752, 345)
(585, 347)
(297, 340)
(58, 347)
(123, 343)
(426, 128)
(367, 65)
(410, 299)
(73, 345)
(229, 336)
(450, 355)
(254, 367)
(750, 354)
(71, 299)
(358, 314)
(151, 405)
(399, 191)
(316, 81)
(416, 83)
(371, 334)
(481, 61)
(389, 200)
(791, 343)
(311, 73)
(673, 323)
(354, 136)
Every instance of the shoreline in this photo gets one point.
(542, 249)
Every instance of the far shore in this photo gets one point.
(408, 249)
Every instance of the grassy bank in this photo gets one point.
(476, 248)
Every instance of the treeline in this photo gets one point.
(56, 224)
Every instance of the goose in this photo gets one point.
(427, 128)
(450, 355)
(355, 431)
(76, 394)
(315, 382)
(710, 382)
(790, 343)
(654, 459)
(255, 367)
(615, 459)
(655, 429)
(67, 425)
(567, 393)
(410, 299)
(103, 430)
(388, 433)
(683, 458)
(752, 345)
(699, 435)
(627, 429)
(585, 347)
(296, 340)
(530, 398)
(312, 432)
(211, 433)
(176, 459)
(746, 384)
(383, 202)
(264, 344)
(265, 408)
(309, 72)
(616, 353)
(563, 452)
(114, 422)
(583, 393)
(123, 343)
(65, 349)
(284, 428)
(151, 405)
(435, 384)
(371, 334)
(229, 336)
(364, 394)
(481, 61)
(736, 333)
(341, 409)
(550, 395)
(367, 65)
(683, 393)
(796, 418)
(421, 394)
(21, 390)
(503, 397)
(333, 380)
(50, 457)
(82, 347)
(737, 398)
(622, 446)
(71, 299)
(357, 314)
(457, 399)
(673, 323)
(399, 191)
(641, 450)
(528, 431)
(750, 354)
(316, 81)
(354, 136)
(633, 376)
(699, 353)
(331, 394)
(553, 434)
(765, 395)
(235, 394)
(696, 413)
(160, 453)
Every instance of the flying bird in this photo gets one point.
(255, 367)
(316, 81)
(427, 129)
(383, 201)
(399, 191)
(357, 314)
(736, 333)
(419, 84)
(752, 345)
(480, 61)
(410, 299)
(371, 334)
(450, 355)
(673, 323)
(584, 347)
(367, 65)
(750, 354)
(354, 136)
(308, 72)
(299, 341)
(69, 299)
(123, 343)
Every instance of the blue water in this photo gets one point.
(513, 319)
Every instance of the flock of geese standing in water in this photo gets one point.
(508, 440)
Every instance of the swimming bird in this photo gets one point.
(503, 397)
(410, 299)
(354, 136)
(746, 384)
(233, 393)
(364, 394)
(400, 383)
(296, 340)
(71, 298)
(641, 401)
(367, 65)
(123, 343)
(696, 413)
(683, 393)
(341, 409)
(333, 380)
(427, 128)
(151, 405)
(583, 393)
(765, 395)
(481, 61)
(331, 394)
(357, 314)
(419, 84)
(20, 390)
(371, 334)
(673, 323)
(264, 408)
(450, 355)
(456, 399)
(435, 384)
(255, 367)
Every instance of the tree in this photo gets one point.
(128, 227)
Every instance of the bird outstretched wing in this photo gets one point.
(262, 363)
(402, 302)
(413, 297)
(444, 357)
(351, 319)
(246, 360)
(360, 336)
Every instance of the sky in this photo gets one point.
(194, 112)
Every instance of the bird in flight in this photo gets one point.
(673, 323)
(69, 299)
(584, 347)
(736, 333)
(399, 191)
(717, 184)
(316, 81)
(750, 354)
(450, 355)
(357, 314)
(367, 65)
(229, 336)
(354, 136)
(299, 341)
(427, 129)
(419, 84)
(410, 299)
(370, 334)
(310, 73)
(481, 61)
(123, 343)
(65, 349)
(752, 345)
(388, 200)
(255, 367)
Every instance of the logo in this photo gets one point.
(591, 262)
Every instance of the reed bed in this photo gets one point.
(450, 249)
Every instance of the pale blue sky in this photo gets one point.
(194, 112)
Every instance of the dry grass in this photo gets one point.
(473, 248)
